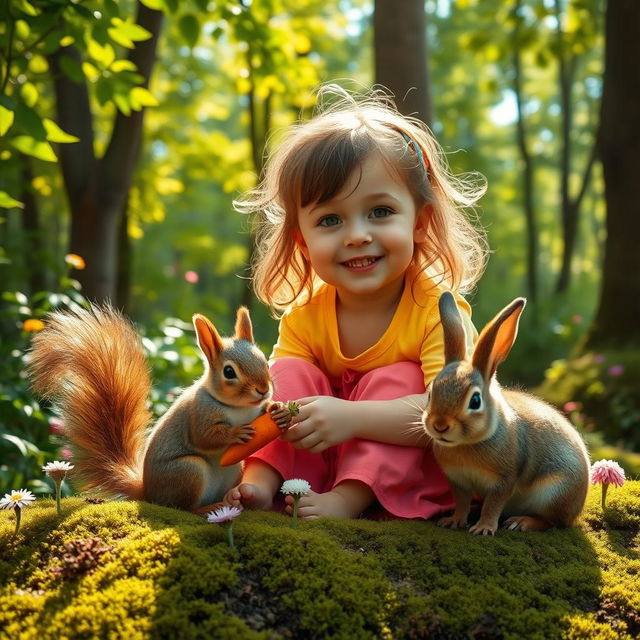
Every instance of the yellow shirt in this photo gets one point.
(310, 332)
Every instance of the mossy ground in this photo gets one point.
(169, 574)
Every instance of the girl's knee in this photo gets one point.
(391, 381)
(296, 378)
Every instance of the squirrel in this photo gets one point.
(91, 364)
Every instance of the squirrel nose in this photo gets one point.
(441, 428)
(262, 392)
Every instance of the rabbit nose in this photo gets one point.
(441, 428)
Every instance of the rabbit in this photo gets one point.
(522, 456)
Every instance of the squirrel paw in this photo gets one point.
(280, 414)
(453, 522)
(242, 433)
(483, 528)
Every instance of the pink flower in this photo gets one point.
(576, 319)
(223, 514)
(616, 370)
(56, 426)
(66, 453)
(572, 406)
(191, 276)
(607, 472)
(598, 358)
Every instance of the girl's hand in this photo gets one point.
(322, 422)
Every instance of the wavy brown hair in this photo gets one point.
(314, 161)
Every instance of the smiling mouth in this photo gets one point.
(360, 263)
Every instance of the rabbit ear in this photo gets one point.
(209, 339)
(244, 330)
(455, 344)
(497, 338)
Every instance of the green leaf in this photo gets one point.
(72, 69)
(153, 4)
(30, 122)
(29, 94)
(122, 103)
(128, 31)
(35, 148)
(56, 134)
(26, 448)
(141, 97)
(8, 202)
(189, 28)
(203, 5)
(25, 7)
(123, 65)
(104, 91)
(6, 119)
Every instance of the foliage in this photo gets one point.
(26, 441)
(600, 391)
(164, 573)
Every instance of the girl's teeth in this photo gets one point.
(360, 263)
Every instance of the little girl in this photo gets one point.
(361, 231)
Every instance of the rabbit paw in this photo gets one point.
(280, 414)
(526, 523)
(453, 522)
(242, 433)
(483, 528)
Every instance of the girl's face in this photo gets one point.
(362, 240)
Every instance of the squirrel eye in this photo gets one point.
(229, 373)
(475, 402)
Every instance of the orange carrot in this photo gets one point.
(266, 431)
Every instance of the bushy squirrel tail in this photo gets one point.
(90, 363)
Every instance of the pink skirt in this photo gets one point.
(407, 481)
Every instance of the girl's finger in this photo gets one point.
(308, 442)
(296, 432)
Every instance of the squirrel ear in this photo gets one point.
(455, 343)
(244, 330)
(497, 338)
(209, 339)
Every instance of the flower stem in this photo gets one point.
(294, 519)
(18, 512)
(605, 486)
(58, 488)
(229, 529)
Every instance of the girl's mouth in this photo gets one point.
(361, 264)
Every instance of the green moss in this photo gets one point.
(169, 574)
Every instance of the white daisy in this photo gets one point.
(17, 499)
(57, 469)
(223, 514)
(296, 487)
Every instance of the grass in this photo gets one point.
(155, 572)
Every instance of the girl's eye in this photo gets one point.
(229, 373)
(381, 212)
(475, 402)
(329, 221)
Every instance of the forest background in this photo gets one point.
(128, 128)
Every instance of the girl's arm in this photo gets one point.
(324, 421)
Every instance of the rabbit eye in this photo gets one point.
(229, 373)
(475, 402)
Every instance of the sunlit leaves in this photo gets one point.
(32, 147)
(6, 119)
(7, 202)
(126, 33)
(56, 134)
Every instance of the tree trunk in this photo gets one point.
(616, 322)
(528, 172)
(401, 57)
(97, 189)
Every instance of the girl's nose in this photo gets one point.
(357, 234)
